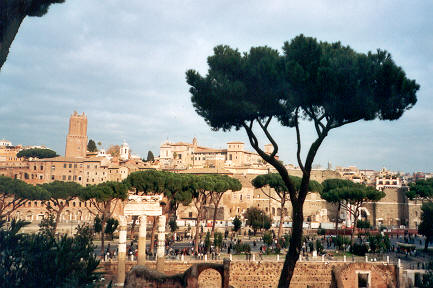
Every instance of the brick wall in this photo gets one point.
(266, 274)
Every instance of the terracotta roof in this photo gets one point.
(206, 171)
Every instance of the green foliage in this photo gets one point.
(48, 226)
(346, 85)
(329, 84)
(105, 192)
(237, 223)
(338, 190)
(341, 241)
(37, 153)
(257, 219)
(267, 238)
(274, 181)
(173, 225)
(218, 239)
(177, 188)
(62, 190)
(285, 241)
(207, 241)
(91, 146)
(111, 226)
(359, 249)
(319, 246)
(421, 189)
(242, 248)
(39, 260)
(363, 224)
(379, 243)
(18, 192)
(426, 226)
(97, 224)
(427, 280)
(321, 231)
(150, 156)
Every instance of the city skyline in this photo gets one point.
(124, 66)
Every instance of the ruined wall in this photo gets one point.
(266, 274)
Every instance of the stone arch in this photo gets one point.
(364, 214)
(29, 216)
(140, 276)
(79, 215)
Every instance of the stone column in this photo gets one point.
(142, 240)
(122, 251)
(160, 250)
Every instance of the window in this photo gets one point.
(363, 279)
(69, 177)
(42, 167)
(79, 178)
(70, 165)
(190, 214)
(230, 157)
(52, 177)
(64, 177)
(64, 165)
(41, 177)
(53, 167)
(240, 197)
(34, 168)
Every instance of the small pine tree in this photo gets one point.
(91, 146)
(150, 156)
(237, 223)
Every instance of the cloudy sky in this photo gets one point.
(124, 66)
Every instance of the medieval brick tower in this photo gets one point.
(76, 140)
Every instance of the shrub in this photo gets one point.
(267, 238)
(359, 249)
(242, 247)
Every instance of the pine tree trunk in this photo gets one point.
(102, 235)
(294, 249)
(214, 220)
(427, 241)
(152, 236)
(197, 232)
(280, 227)
(134, 220)
(337, 217)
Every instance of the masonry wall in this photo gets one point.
(266, 274)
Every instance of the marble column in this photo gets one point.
(122, 251)
(142, 240)
(160, 250)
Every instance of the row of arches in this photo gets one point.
(65, 217)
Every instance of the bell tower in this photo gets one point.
(76, 140)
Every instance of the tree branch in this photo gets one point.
(269, 195)
(298, 137)
(271, 160)
(268, 135)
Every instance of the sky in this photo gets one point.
(124, 66)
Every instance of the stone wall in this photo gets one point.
(266, 274)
